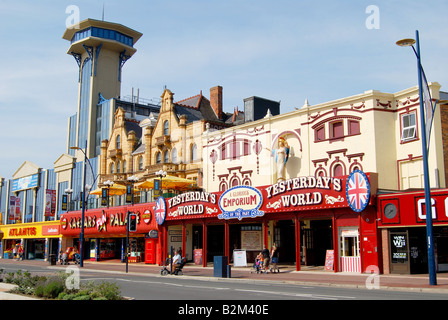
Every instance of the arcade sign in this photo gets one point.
(240, 202)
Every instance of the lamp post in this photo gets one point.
(108, 183)
(69, 192)
(429, 233)
(132, 179)
(161, 174)
(83, 203)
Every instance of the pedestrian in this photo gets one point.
(20, 252)
(15, 250)
(266, 258)
(274, 259)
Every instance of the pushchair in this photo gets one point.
(177, 270)
(76, 258)
(63, 258)
(257, 266)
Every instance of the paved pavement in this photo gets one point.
(287, 274)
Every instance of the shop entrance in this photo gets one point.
(284, 239)
(215, 241)
(316, 239)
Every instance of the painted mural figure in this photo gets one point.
(281, 156)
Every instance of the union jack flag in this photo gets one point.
(358, 190)
(160, 210)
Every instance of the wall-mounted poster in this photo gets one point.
(251, 240)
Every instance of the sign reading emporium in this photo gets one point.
(240, 202)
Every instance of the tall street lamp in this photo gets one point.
(69, 192)
(108, 183)
(132, 179)
(83, 203)
(161, 174)
(429, 233)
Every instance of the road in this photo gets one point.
(174, 288)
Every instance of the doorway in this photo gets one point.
(284, 231)
(316, 239)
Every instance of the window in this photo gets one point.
(246, 147)
(124, 166)
(112, 167)
(174, 156)
(193, 153)
(166, 128)
(223, 151)
(166, 157)
(140, 163)
(118, 145)
(408, 127)
(338, 170)
(353, 127)
(337, 130)
(320, 134)
(118, 167)
(158, 158)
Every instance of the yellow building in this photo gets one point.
(168, 140)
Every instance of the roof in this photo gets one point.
(69, 32)
(195, 108)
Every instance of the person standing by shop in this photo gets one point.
(274, 259)
(15, 251)
(20, 252)
(266, 258)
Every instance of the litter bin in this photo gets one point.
(220, 266)
(52, 259)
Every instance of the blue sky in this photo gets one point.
(283, 50)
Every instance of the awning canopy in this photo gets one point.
(114, 190)
(168, 182)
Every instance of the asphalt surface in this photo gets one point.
(287, 275)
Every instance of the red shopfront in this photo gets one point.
(105, 233)
(402, 224)
(308, 216)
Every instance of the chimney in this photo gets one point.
(216, 100)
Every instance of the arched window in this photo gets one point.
(193, 152)
(166, 128)
(158, 158)
(112, 167)
(125, 166)
(118, 144)
(166, 157)
(338, 170)
(118, 167)
(223, 186)
(174, 156)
